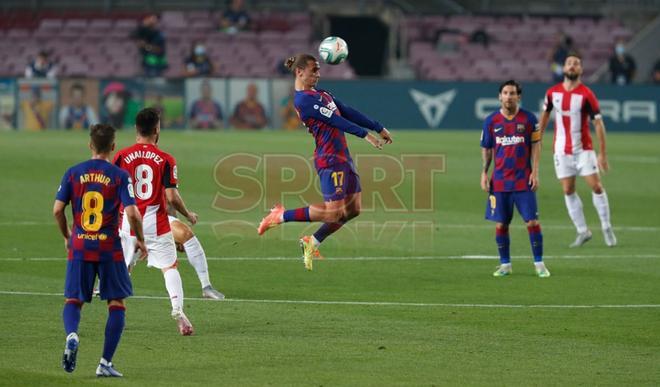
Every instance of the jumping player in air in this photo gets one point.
(96, 189)
(512, 137)
(327, 119)
(574, 104)
(155, 180)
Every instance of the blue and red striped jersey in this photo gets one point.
(96, 189)
(511, 141)
(327, 119)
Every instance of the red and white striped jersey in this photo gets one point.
(152, 171)
(572, 112)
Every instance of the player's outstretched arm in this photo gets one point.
(373, 140)
(60, 219)
(175, 199)
(602, 153)
(385, 135)
(135, 220)
(361, 119)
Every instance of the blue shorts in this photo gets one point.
(339, 181)
(114, 282)
(499, 207)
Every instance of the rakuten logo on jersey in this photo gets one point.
(509, 140)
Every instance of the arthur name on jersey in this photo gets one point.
(139, 154)
(94, 178)
(510, 140)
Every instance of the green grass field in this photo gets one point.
(403, 297)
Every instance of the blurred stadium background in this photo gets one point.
(438, 42)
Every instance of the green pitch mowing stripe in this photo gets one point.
(382, 309)
(363, 303)
(385, 258)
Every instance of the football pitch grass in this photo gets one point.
(404, 296)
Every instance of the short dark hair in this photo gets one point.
(573, 54)
(77, 86)
(102, 137)
(146, 121)
(511, 82)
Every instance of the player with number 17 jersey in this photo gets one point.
(152, 170)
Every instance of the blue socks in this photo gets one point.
(326, 229)
(113, 330)
(71, 316)
(297, 215)
(503, 243)
(536, 240)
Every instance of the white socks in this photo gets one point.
(174, 288)
(197, 259)
(603, 208)
(315, 241)
(574, 206)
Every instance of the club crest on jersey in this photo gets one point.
(520, 128)
(325, 111)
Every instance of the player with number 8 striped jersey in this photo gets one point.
(155, 185)
(152, 170)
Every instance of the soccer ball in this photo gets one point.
(333, 50)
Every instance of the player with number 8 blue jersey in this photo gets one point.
(96, 189)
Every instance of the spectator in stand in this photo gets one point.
(77, 115)
(41, 67)
(198, 62)
(480, 36)
(115, 104)
(558, 56)
(205, 112)
(622, 65)
(151, 43)
(249, 113)
(655, 75)
(235, 18)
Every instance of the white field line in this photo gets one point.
(486, 226)
(384, 258)
(374, 303)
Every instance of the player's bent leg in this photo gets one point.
(602, 205)
(332, 214)
(113, 330)
(188, 243)
(71, 317)
(353, 206)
